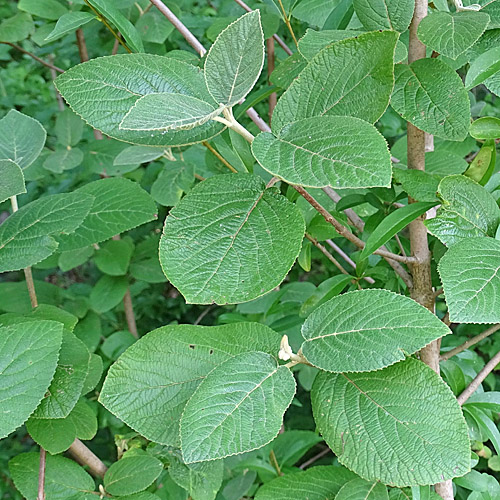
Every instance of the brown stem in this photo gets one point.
(219, 156)
(36, 58)
(85, 456)
(471, 388)
(327, 254)
(129, 313)
(278, 40)
(274, 462)
(31, 287)
(316, 457)
(53, 75)
(270, 68)
(348, 259)
(473, 341)
(41, 475)
(343, 231)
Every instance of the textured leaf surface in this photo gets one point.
(132, 474)
(487, 127)
(201, 480)
(103, 90)
(367, 330)
(175, 179)
(316, 483)
(430, 95)
(470, 272)
(68, 128)
(63, 159)
(385, 14)
(138, 154)
(168, 111)
(53, 434)
(337, 151)
(235, 60)
(122, 24)
(239, 407)
(26, 235)
(12, 180)
(64, 478)
(69, 377)
(392, 224)
(467, 210)
(452, 34)
(21, 138)
(359, 489)
(481, 68)
(420, 185)
(108, 292)
(380, 424)
(68, 23)
(113, 257)
(151, 382)
(325, 87)
(119, 205)
(230, 240)
(28, 360)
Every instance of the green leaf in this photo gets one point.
(221, 420)
(68, 23)
(430, 95)
(337, 151)
(12, 180)
(168, 111)
(452, 34)
(325, 291)
(48, 9)
(470, 272)
(481, 68)
(420, 185)
(84, 420)
(138, 154)
(317, 483)
(483, 165)
(385, 14)
(132, 474)
(53, 434)
(69, 128)
(26, 236)
(64, 478)
(154, 27)
(66, 386)
(392, 224)
(467, 210)
(95, 371)
(127, 30)
(74, 258)
(16, 28)
(363, 93)
(175, 179)
(201, 480)
(152, 380)
(108, 292)
(235, 60)
(21, 138)
(63, 159)
(380, 424)
(487, 127)
(358, 489)
(113, 257)
(223, 242)
(119, 205)
(28, 360)
(103, 90)
(367, 330)
(314, 41)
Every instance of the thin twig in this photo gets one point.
(473, 341)
(85, 456)
(343, 231)
(326, 253)
(203, 314)
(53, 75)
(36, 58)
(316, 457)
(287, 22)
(274, 462)
(471, 388)
(41, 475)
(129, 313)
(219, 156)
(348, 259)
(82, 47)
(280, 42)
(270, 68)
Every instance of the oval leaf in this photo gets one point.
(362, 92)
(208, 238)
(431, 96)
(335, 151)
(470, 272)
(385, 14)
(103, 90)
(68, 23)
(358, 489)
(487, 127)
(380, 424)
(481, 68)
(151, 382)
(239, 407)
(12, 180)
(367, 330)
(235, 60)
(28, 360)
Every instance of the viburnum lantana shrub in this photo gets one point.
(204, 401)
